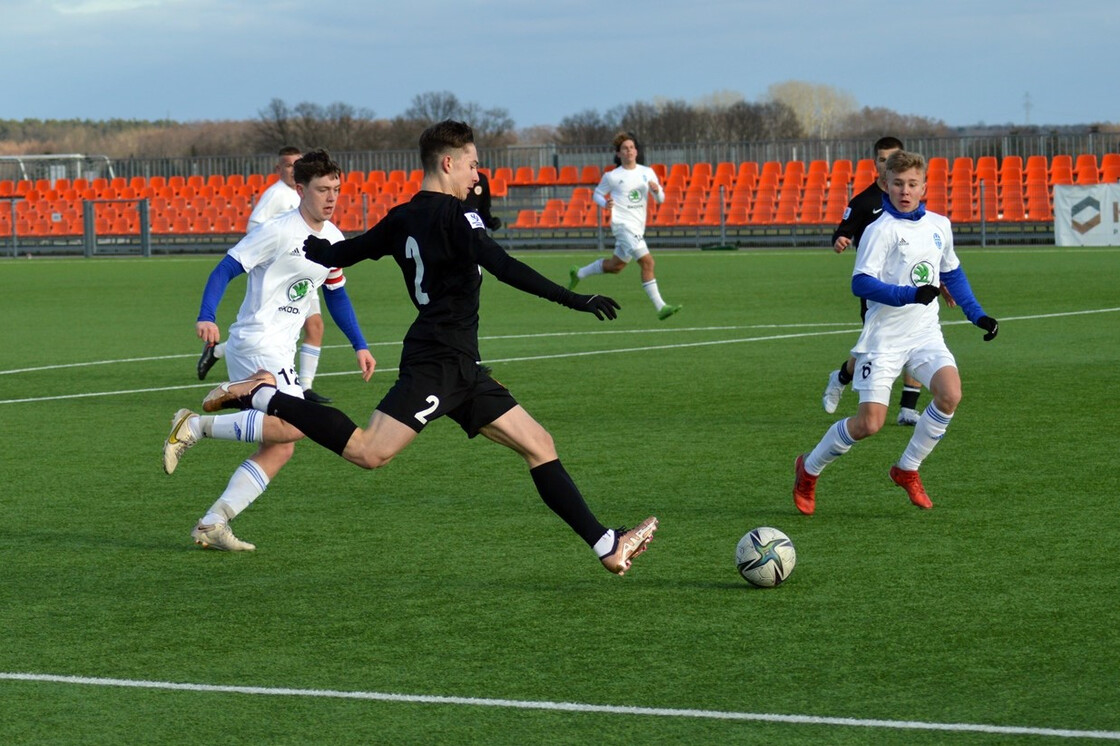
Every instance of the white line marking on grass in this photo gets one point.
(613, 351)
(578, 707)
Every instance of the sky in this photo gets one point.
(964, 62)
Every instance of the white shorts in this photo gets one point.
(314, 305)
(242, 366)
(629, 246)
(875, 372)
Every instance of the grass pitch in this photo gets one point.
(438, 600)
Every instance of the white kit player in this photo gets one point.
(905, 255)
(281, 197)
(278, 297)
(626, 190)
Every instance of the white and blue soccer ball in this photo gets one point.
(765, 557)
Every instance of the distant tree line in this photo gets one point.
(790, 110)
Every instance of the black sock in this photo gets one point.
(562, 496)
(326, 426)
(844, 377)
(909, 398)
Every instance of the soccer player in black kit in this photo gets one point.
(442, 248)
(863, 210)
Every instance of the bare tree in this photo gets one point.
(493, 128)
(820, 108)
(434, 106)
(585, 128)
(875, 122)
(275, 127)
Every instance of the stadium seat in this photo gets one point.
(547, 176)
(812, 206)
(937, 199)
(525, 219)
(568, 176)
(689, 215)
(1085, 169)
(1061, 170)
(590, 175)
(523, 176)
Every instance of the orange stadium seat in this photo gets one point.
(547, 176)
(1061, 170)
(525, 219)
(523, 176)
(590, 175)
(568, 176)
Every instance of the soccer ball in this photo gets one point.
(765, 557)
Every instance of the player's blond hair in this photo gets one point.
(904, 160)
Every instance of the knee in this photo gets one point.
(313, 325)
(861, 427)
(370, 461)
(948, 401)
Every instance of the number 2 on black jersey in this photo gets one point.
(412, 251)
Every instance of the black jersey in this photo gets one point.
(864, 209)
(441, 248)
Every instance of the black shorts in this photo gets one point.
(451, 385)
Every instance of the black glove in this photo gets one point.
(926, 294)
(990, 325)
(495, 223)
(600, 305)
(313, 248)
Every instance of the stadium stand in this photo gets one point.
(558, 199)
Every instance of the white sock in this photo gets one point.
(835, 443)
(605, 543)
(263, 397)
(220, 350)
(930, 429)
(595, 268)
(245, 486)
(244, 427)
(308, 364)
(654, 294)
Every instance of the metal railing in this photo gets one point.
(15, 168)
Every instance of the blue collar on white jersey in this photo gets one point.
(915, 214)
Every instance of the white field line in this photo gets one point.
(848, 329)
(670, 712)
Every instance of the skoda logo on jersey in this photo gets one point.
(299, 288)
(634, 196)
(922, 274)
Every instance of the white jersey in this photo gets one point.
(629, 192)
(281, 286)
(904, 252)
(276, 200)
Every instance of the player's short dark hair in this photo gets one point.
(313, 164)
(440, 138)
(887, 143)
(904, 160)
(289, 150)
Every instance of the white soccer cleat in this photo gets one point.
(832, 392)
(178, 440)
(908, 417)
(219, 536)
